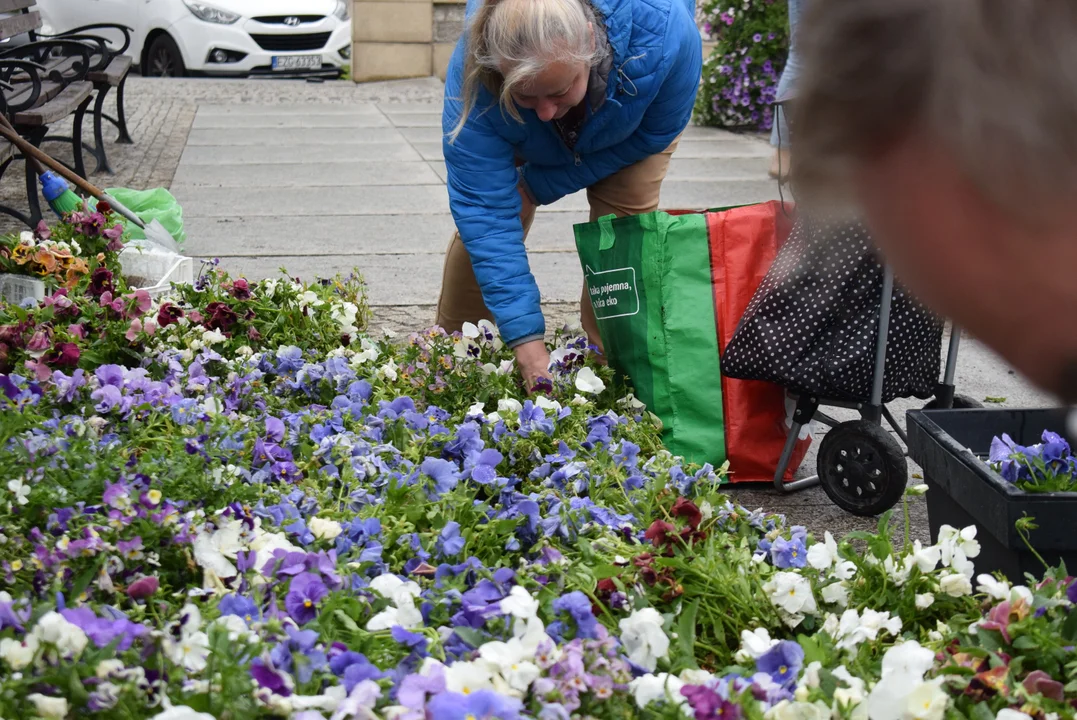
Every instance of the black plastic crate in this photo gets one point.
(951, 446)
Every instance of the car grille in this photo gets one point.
(292, 42)
(279, 19)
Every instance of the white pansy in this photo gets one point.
(477, 410)
(404, 614)
(388, 371)
(469, 330)
(509, 406)
(579, 400)
(654, 688)
(513, 661)
(695, 676)
(18, 654)
(488, 328)
(369, 353)
(558, 356)
(836, 594)
(215, 551)
(810, 677)
(547, 404)
(519, 603)
(959, 544)
(106, 668)
(643, 638)
(792, 593)
(49, 707)
(822, 556)
(467, 677)
(903, 669)
(234, 625)
(325, 529)
(924, 601)
(1010, 714)
(955, 585)
(191, 650)
(488, 369)
(54, 629)
(787, 710)
(506, 367)
(753, 644)
(212, 337)
(21, 491)
(588, 382)
(268, 542)
(993, 587)
(898, 570)
(926, 558)
(311, 298)
(631, 402)
(854, 691)
(927, 701)
(393, 588)
(212, 406)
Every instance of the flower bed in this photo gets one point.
(740, 77)
(291, 526)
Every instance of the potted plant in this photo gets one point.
(1009, 472)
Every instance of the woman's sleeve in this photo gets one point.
(664, 120)
(485, 204)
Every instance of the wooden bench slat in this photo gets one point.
(7, 151)
(114, 73)
(19, 24)
(14, 5)
(58, 108)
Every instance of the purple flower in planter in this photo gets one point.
(782, 662)
(413, 689)
(1071, 592)
(709, 704)
(269, 678)
(578, 606)
(788, 554)
(306, 590)
(444, 474)
(479, 705)
(410, 640)
(450, 544)
(484, 469)
(240, 606)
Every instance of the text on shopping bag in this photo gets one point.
(613, 293)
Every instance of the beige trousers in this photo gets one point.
(631, 191)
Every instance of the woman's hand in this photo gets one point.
(534, 362)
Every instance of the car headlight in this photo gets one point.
(210, 14)
(342, 10)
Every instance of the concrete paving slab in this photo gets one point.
(308, 202)
(290, 154)
(423, 134)
(708, 169)
(401, 108)
(399, 280)
(247, 236)
(283, 137)
(415, 119)
(330, 120)
(731, 149)
(297, 174)
(429, 150)
(286, 110)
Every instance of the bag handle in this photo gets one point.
(607, 237)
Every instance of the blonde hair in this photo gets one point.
(523, 36)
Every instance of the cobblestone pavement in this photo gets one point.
(318, 178)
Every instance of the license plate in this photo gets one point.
(297, 62)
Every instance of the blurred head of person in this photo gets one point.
(951, 126)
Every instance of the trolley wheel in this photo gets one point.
(861, 468)
(961, 402)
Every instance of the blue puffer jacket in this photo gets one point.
(657, 58)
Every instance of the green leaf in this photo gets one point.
(981, 711)
(346, 620)
(470, 635)
(1069, 627)
(1025, 642)
(83, 581)
(686, 633)
(989, 640)
(994, 400)
(606, 571)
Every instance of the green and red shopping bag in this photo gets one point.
(668, 289)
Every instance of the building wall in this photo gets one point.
(394, 39)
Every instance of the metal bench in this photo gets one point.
(42, 83)
(109, 68)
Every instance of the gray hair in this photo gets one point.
(994, 82)
(523, 36)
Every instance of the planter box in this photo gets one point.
(17, 288)
(155, 270)
(952, 446)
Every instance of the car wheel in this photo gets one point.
(164, 59)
